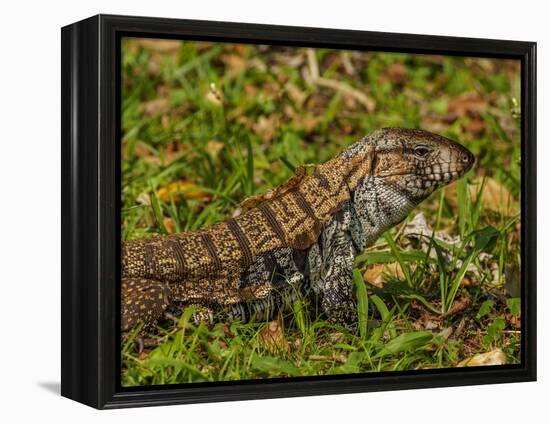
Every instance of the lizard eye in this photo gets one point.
(421, 151)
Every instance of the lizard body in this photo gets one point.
(301, 237)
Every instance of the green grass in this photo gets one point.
(206, 125)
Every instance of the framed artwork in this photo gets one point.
(254, 211)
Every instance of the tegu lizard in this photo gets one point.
(300, 238)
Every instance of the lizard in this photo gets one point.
(300, 238)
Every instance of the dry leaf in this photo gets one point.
(169, 225)
(174, 151)
(307, 122)
(240, 49)
(159, 46)
(347, 63)
(250, 89)
(143, 151)
(296, 94)
(432, 122)
(469, 281)
(214, 95)
(460, 328)
(495, 197)
(446, 332)
(494, 357)
(143, 199)
(514, 321)
(426, 320)
(213, 148)
(341, 358)
(265, 127)
(272, 337)
(468, 104)
(235, 64)
(476, 126)
(512, 280)
(182, 189)
(458, 306)
(375, 274)
(155, 107)
(396, 73)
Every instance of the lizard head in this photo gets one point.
(395, 169)
(417, 162)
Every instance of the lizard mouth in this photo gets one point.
(446, 176)
(449, 171)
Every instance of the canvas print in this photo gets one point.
(302, 212)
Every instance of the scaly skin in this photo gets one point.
(300, 238)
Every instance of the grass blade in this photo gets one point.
(399, 257)
(462, 204)
(406, 342)
(362, 303)
(288, 164)
(157, 212)
(249, 167)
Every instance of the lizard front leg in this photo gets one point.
(331, 271)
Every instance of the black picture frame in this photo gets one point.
(90, 132)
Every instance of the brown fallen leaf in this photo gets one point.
(143, 199)
(240, 49)
(375, 274)
(460, 328)
(514, 321)
(337, 358)
(169, 225)
(155, 106)
(272, 337)
(458, 305)
(476, 126)
(307, 122)
(158, 45)
(495, 196)
(182, 190)
(234, 64)
(426, 320)
(173, 151)
(214, 95)
(512, 280)
(446, 332)
(142, 150)
(467, 104)
(494, 357)
(213, 148)
(266, 126)
(347, 63)
(469, 281)
(396, 73)
(296, 94)
(250, 89)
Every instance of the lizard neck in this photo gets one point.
(376, 207)
(345, 172)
